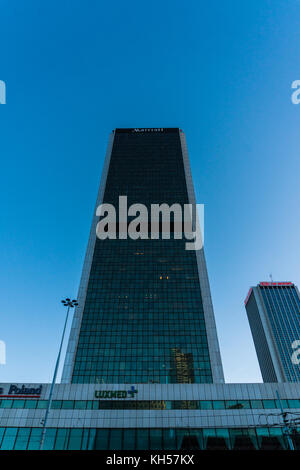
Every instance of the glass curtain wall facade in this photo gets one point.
(274, 315)
(143, 318)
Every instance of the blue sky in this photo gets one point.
(75, 70)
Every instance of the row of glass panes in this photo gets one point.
(149, 405)
(139, 439)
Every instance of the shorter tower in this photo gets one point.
(273, 310)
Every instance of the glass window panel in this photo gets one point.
(67, 404)
(256, 404)
(42, 404)
(231, 404)
(222, 432)
(237, 404)
(6, 403)
(142, 439)
(253, 437)
(209, 432)
(115, 441)
(245, 403)
(275, 432)
(31, 404)
(61, 439)
(156, 439)
(101, 439)
(278, 432)
(9, 438)
(237, 432)
(129, 439)
(18, 404)
(85, 439)
(91, 441)
(196, 439)
(294, 403)
(56, 404)
(262, 431)
(80, 405)
(22, 439)
(269, 404)
(169, 439)
(218, 404)
(75, 439)
(206, 404)
(35, 439)
(181, 435)
(206, 434)
(49, 439)
(2, 431)
(241, 436)
(284, 403)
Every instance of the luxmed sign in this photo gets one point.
(116, 393)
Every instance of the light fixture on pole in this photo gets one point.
(69, 304)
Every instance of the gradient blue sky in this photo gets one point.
(74, 70)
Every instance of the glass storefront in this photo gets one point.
(146, 439)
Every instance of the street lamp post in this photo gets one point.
(69, 304)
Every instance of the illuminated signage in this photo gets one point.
(116, 393)
(22, 392)
(160, 129)
(276, 284)
(141, 130)
(269, 284)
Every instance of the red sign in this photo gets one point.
(276, 284)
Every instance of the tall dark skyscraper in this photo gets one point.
(145, 312)
(273, 310)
